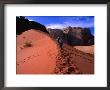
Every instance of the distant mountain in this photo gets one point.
(23, 24)
(73, 35)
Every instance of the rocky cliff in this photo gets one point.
(73, 35)
(79, 36)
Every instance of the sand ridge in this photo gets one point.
(40, 58)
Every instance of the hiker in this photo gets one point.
(60, 42)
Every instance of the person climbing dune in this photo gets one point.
(60, 42)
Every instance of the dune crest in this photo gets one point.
(40, 57)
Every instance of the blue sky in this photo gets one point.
(64, 21)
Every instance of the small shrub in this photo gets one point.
(28, 44)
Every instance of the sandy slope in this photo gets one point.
(74, 61)
(40, 58)
(86, 49)
(45, 57)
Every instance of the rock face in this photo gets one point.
(80, 36)
(73, 35)
(55, 33)
(23, 24)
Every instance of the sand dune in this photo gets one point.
(45, 57)
(40, 58)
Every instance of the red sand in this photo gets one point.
(74, 61)
(45, 57)
(86, 49)
(40, 58)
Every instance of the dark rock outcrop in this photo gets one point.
(23, 24)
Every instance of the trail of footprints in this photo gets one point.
(65, 63)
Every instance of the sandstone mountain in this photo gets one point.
(73, 35)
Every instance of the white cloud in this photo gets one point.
(65, 24)
(58, 26)
(73, 21)
(79, 24)
(30, 20)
